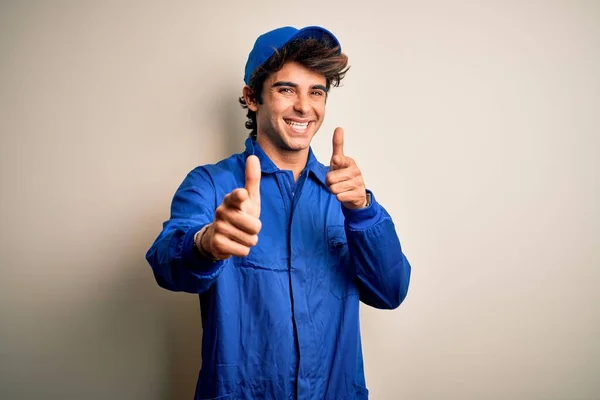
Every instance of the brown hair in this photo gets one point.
(313, 54)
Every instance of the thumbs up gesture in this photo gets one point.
(235, 228)
(344, 177)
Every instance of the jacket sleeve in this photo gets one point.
(382, 270)
(176, 264)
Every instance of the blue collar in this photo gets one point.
(317, 169)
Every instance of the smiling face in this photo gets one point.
(292, 109)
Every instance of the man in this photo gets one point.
(280, 247)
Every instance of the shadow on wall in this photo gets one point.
(108, 341)
(183, 343)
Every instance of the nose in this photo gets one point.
(302, 105)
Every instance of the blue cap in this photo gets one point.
(267, 43)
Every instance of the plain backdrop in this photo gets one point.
(475, 123)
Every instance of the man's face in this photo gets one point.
(293, 108)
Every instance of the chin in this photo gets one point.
(299, 142)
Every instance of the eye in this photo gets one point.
(286, 90)
(318, 93)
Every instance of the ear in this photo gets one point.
(250, 98)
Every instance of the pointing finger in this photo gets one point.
(235, 198)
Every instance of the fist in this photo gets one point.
(235, 228)
(344, 177)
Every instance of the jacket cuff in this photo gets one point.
(363, 218)
(191, 258)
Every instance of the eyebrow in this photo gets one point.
(320, 87)
(295, 85)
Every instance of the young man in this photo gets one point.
(280, 247)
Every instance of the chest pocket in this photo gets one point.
(342, 273)
(268, 255)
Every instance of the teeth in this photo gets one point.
(297, 126)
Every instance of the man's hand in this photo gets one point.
(236, 225)
(344, 177)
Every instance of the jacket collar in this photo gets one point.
(318, 170)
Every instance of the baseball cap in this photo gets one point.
(267, 43)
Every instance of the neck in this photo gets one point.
(291, 160)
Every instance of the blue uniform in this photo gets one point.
(283, 322)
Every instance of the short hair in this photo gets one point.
(316, 55)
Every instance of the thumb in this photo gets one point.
(253, 177)
(338, 146)
(338, 142)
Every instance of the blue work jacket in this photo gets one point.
(283, 322)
